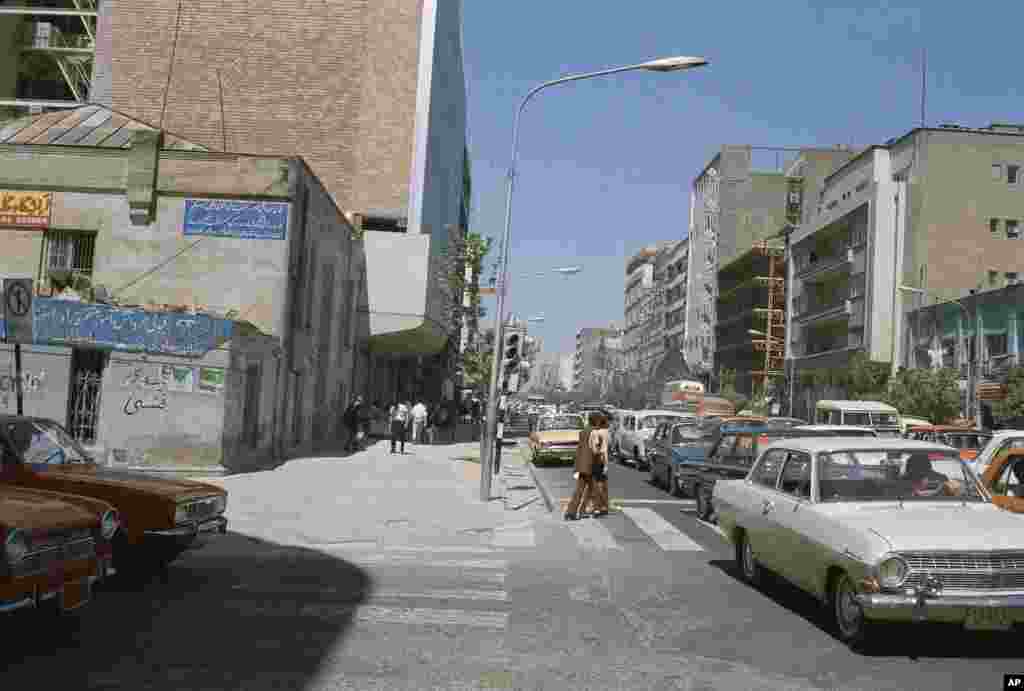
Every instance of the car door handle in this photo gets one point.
(767, 506)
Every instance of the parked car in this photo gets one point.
(842, 430)
(160, 517)
(556, 436)
(907, 422)
(968, 440)
(52, 547)
(637, 428)
(1001, 441)
(731, 457)
(786, 421)
(881, 530)
(674, 447)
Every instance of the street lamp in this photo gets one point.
(671, 64)
(564, 271)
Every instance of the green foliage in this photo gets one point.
(476, 365)
(1013, 405)
(863, 378)
(727, 389)
(933, 394)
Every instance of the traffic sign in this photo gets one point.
(17, 306)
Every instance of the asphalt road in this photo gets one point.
(707, 611)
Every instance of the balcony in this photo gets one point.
(810, 267)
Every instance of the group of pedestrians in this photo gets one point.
(424, 423)
(591, 470)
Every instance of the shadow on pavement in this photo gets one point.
(239, 614)
(928, 640)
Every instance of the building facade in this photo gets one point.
(591, 355)
(371, 95)
(644, 307)
(147, 345)
(931, 215)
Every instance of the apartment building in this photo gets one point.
(644, 308)
(596, 348)
(937, 210)
(675, 273)
(738, 199)
(371, 94)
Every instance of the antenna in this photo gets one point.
(924, 81)
(223, 123)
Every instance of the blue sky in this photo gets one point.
(606, 164)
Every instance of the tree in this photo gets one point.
(727, 389)
(476, 367)
(1013, 405)
(863, 378)
(933, 394)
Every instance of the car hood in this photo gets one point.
(936, 525)
(169, 488)
(559, 436)
(29, 509)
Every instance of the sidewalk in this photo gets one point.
(427, 497)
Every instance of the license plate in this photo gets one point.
(988, 619)
(75, 594)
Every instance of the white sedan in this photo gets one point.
(879, 530)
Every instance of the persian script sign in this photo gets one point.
(236, 219)
(103, 326)
(25, 209)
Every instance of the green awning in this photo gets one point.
(994, 318)
(949, 320)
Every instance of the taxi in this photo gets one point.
(159, 517)
(555, 437)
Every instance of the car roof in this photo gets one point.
(826, 443)
(657, 411)
(856, 406)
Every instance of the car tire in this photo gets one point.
(751, 571)
(848, 618)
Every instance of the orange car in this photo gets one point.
(160, 517)
(1004, 479)
(969, 440)
(54, 546)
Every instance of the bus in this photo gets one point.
(685, 395)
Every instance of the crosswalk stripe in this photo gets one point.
(347, 595)
(440, 594)
(427, 562)
(674, 502)
(664, 534)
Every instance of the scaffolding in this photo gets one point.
(771, 340)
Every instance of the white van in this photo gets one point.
(637, 426)
(881, 417)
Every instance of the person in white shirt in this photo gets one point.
(419, 421)
(399, 417)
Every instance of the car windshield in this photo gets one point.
(40, 441)
(891, 474)
(561, 422)
(884, 420)
(652, 421)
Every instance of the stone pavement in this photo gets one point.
(428, 496)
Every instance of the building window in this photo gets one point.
(996, 344)
(68, 254)
(1012, 229)
(1011, 174)
(997, 171)
(993, 225)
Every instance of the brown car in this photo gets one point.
(160, 517)
(54, 546)
(1004, 479)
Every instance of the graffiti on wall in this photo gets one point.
(146, 391)
(125, 329)
(30, 383)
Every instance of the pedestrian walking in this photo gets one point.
(399, 417)
(351, 421)
(584, 466)
(432, 414)
(419, 421)
(599, 447)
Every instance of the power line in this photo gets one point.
(157, 267)
(170, 66)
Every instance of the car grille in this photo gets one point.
(201, 509)
(40, 561)
(968, 570)
(56, 538)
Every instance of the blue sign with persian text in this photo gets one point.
(92, 325)
(228, 218)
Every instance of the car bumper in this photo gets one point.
(188, 533)
(946, 608)
(555, 453)
(32, 591)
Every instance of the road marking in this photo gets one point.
(440, 594)
(422, 561)
(349, 596)
(590, 534)
(419, 616)
(664, 534)
(713, 527)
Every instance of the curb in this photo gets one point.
(185, 470)
(545, 493)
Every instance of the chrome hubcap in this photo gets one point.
(748, 559)
(848, 612)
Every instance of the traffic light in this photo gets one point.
(510, 364)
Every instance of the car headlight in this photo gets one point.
(15, 546)
(109, 524)
(892, 572)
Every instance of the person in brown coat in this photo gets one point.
(591, 454)
(599, 475)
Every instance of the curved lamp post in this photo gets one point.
(673, 64)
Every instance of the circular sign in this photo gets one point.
(18, 300)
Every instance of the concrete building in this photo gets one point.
(644, 308)
(566, 365)
(677, 261)
(937, 209)
(147, 344)
(591, 351)
(370, 94)
(738, 200)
